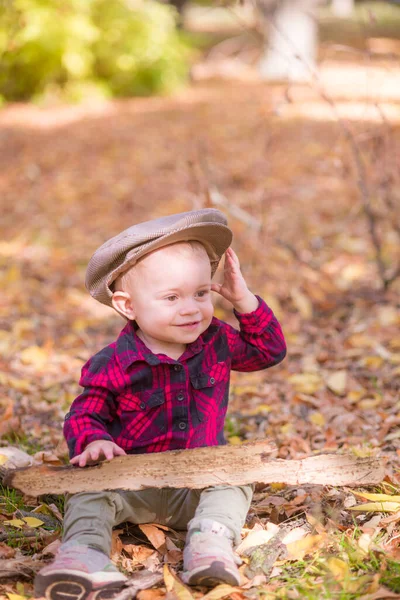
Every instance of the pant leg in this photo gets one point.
(90, 517)
(227, 505)
(181, 507)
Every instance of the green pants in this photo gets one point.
(90, 517)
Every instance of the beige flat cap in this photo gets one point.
(208, 226)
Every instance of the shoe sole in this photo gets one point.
(62, 587)
(211, 576)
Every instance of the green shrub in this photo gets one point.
(127, 47)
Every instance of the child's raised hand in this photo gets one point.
(94, 451)
(234, 287)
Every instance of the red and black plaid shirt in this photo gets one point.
(150, 403)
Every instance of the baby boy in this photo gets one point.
(162, 385)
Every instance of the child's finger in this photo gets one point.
(94, 453)
(82, 459)
(109, 452)
(119, 451)
(216, 287)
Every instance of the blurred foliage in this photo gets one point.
(118, 47)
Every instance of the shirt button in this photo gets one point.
(212, 380)
(180, 397)
(182, 425)
(142, 405)
(177, 367)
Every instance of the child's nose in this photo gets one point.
(189, 307)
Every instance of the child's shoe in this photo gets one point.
(76, 572)
(208, 558)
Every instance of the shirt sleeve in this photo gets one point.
(92, 410)
(260, 343)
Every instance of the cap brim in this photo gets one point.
(216, 238)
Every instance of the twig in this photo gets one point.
(140, 581)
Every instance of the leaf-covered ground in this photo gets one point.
(73, 176)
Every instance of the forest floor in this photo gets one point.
(306, 173)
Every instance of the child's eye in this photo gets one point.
(171, 298)
(202, 293)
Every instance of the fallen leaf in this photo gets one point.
(6, 551)
(155, 535)
(221, 591)
(138, 553)
(378, 497)
(364, 542)
(317, 418)
(154, 594)
(33, 522)
(337, 382)
(306, 383)
(377, 507)
(302, 303)
(255, 538)
(175, 585)
(35, 356)
(299, 549)
(15, 458)
(339, 569)
(294, 535)
(18, 523)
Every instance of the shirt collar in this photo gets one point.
(130, 348)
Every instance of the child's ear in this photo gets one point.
(122, 303)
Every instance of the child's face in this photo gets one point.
(170, 297)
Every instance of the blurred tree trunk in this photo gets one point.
(291, 32)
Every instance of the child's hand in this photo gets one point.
(234, 287)
(98, 449)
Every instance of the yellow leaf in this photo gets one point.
(337, 382)
(3, 459)
(15, 597)
(369, 403)
(33, 522)
(355, 395)
(317, 419)
(302, 303)
(372, 362)
(377, 497)
(174, 585)
(221, 591)
(35, 356)
(360, 340)
(338, 568)
(274, 304)
(15, 523)
(235, 440)
(299, 549)
(306, 383)
(377, 507)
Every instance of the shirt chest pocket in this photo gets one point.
(142, 415)
(211, 390)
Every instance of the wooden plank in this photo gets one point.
(199, 468)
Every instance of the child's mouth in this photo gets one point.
(191, 325)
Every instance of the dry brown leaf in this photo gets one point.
(155, 594)
(221, 591)
(137, 553)
(154, 534)
(6, 551)
(175, 586)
